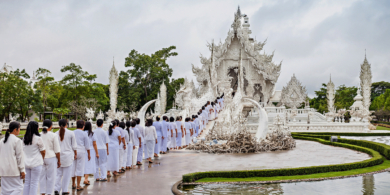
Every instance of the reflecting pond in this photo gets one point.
(367, 185)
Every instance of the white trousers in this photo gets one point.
(157, 147)
(48, 175)
(31, 181)
(129, 154)
(11, 185)
(63, 178)
(150, 147)
(164, 144)
(145, 151)
(120, 156)
(101, 164)
(79, 165)
(124, 157)
(135, 154)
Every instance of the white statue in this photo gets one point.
(330, 95)
(113, 87)
(90, 113)
(100, 115)
(294, 94)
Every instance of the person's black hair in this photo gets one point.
(165, 118)
(217, 98)
(203, 108)
(137, 120)
(149, 122)
(234, 93)
(171, 119)
(62, 123)
(128, 124)
(32, 129)
(178, 118)
(133, 124)
(181, 117)
(117, 122)
(193, 116)
(88, 127)
(46, 125)
(157, 118)
(198, 113)
(11, 127)
(80, 124)
(212, 103)
(112, 125)
(122, 125)
(99, 122)
(196, 116)
(187, 119)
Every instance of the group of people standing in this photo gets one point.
(50, 160)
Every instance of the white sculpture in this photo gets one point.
(142, 111)
(6, 68)
(294, 94)
(365, 83)
(90, 113)
(330, 95)
(113, 87)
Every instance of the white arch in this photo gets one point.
(262, 129)
(142, 112)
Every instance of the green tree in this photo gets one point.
(320, 102)
(344, 97)
(44, 84)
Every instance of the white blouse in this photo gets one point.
(32, 153)
(12, 156)
(68, 145)
(150, 133)
(188, 126)
(131, 136)
(50, 140)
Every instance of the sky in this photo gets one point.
(314, 39)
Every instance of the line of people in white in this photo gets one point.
(50, 160)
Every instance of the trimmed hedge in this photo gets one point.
(340, 134)
(375, 160)
(381, 148)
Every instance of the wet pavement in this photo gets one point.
(158, 178)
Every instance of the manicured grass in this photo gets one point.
(382, 128)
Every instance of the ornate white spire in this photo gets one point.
(163, 98)
(113, 87)
(294, 94)
(330, 95)
(366, 82)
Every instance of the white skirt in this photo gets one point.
(150, 147)
(113, 159)
(90, 165)
(173, 141)
(188, 138)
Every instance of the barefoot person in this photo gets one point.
(180, 133)
(102, 141)
(83, 154)
(113, 157)
(130, 145)
(173, 133)
(34, 153)
(150, 139)
(137, 143)
(52, 158)
(12, 169)
(90, 165)
(158, 126)
(164, 141)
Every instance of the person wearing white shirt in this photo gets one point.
(150, 138)
(102, 141)
(52, 158)
(173, 133)
(90, 165)
(68, 146)
(164, 141)
(180, 133)
(79, 162)
(188, 130)
(125, 142)
(158, 126)
(137, 143)
(113, 157)
(142, 145)
(12, 170)
(34, 152)
(130, 145)
(122, 146)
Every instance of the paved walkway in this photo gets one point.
(158, 178)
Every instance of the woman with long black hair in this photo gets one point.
(130, 145)
(34, 152)
(68, 146)
(52, 158)
(113, 157)
(12, 169)
(90, 165)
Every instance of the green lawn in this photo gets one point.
(382, 128)
(384, 165)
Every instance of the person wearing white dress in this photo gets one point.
(212, 111)
(68, 146)
(113, 156)
(180, 133)
(12, 170)
(137, 143)
(164, 141)
(122, 146)
(173, 133)
(130, 145)
(102, 141)
(90, 165)
(141, 148)
(158, 126)
(34, 153)
(188, 130)
(52, 158)
(150, 139)
(125, 142)
(79, 162)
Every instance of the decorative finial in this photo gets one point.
(330, 77)
(239, 11)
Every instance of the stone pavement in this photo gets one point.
(158, 178)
